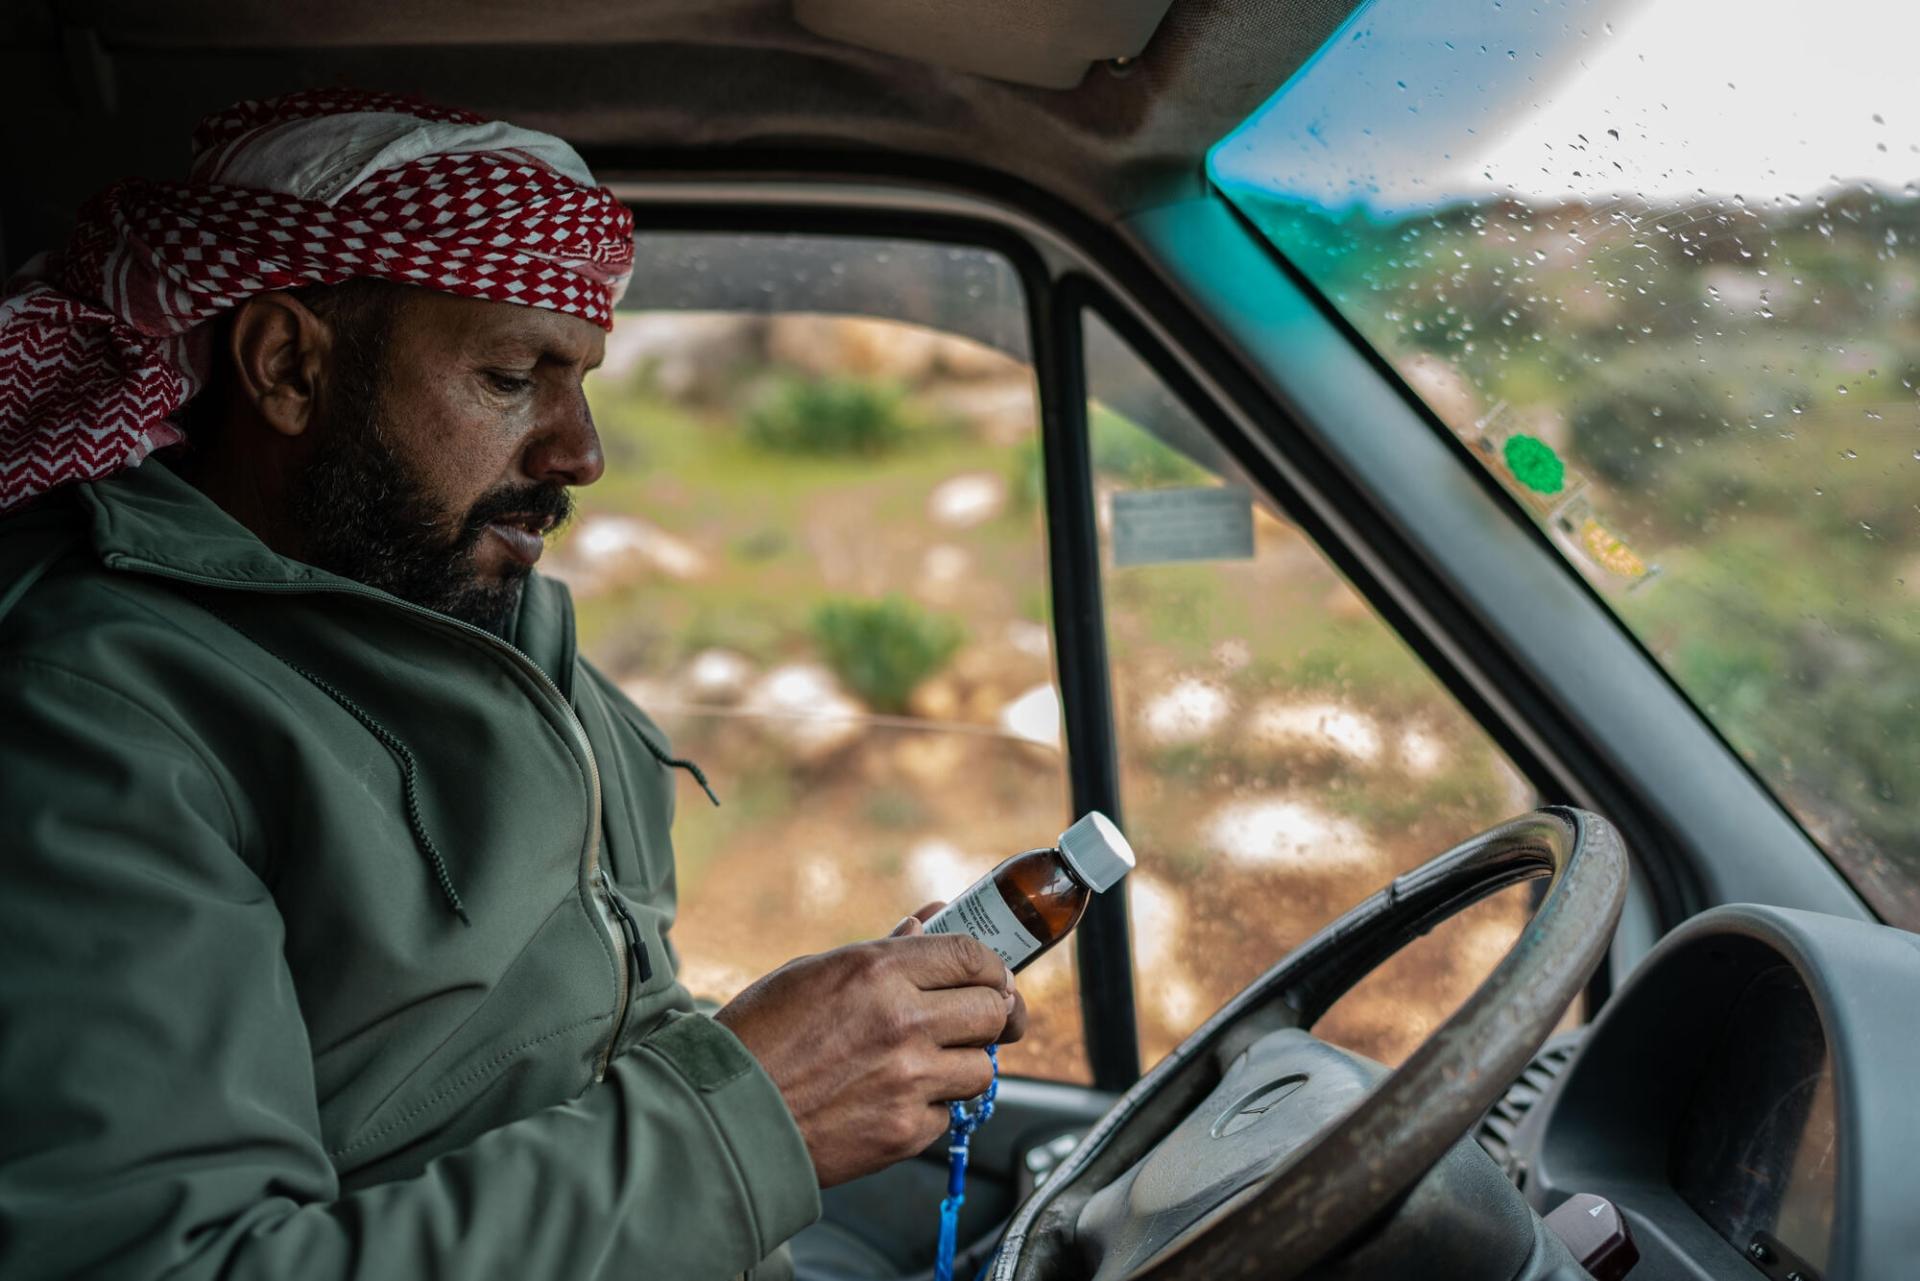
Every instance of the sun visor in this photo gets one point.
(1047, 43)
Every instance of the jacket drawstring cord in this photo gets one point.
(681, 762)
(671, 761)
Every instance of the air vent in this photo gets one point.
(1498, 1127)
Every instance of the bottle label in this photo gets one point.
(983, 912)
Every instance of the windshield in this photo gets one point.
(1658, 265)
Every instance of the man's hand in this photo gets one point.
(868, 1043)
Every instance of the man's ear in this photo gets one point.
(280, 352)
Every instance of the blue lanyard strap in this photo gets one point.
(961, 1123)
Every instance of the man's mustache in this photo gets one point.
(552, 501)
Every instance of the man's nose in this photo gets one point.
(566, 448)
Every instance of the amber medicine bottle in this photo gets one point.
(1033, 900)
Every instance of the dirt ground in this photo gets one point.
(824, 876)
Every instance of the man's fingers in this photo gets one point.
(964, 1016)
(911, 923)
(1016, 1021)
(952, 960)
(961, 1074)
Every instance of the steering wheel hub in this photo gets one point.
(1277, 1095)
(1256, 1106)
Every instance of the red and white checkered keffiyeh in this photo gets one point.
(100, 345)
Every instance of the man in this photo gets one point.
(335, 903)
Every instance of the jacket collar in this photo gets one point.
(150, 519)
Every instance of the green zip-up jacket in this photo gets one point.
(333, 933)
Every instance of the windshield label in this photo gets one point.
(1154, 526)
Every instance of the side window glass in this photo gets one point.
(1282, 753)
(818, 560)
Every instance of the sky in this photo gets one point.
(1419, 101)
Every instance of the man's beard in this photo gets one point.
(366, 516)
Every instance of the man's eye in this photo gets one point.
(508, 383)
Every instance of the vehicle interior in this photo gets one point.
(1223, 365)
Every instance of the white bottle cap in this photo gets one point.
(1096, 851)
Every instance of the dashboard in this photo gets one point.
(1747, 1101)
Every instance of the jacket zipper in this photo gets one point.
(640, 963)
(639, 967)
(621, 939)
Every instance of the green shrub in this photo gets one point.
(1123, 450)
(881, 649)
(828, 416)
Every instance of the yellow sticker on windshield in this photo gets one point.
(1610, 551)
(1582, 534)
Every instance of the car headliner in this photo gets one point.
(98, 89)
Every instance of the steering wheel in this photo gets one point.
(1255, 1149)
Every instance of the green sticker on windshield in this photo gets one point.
(1535, 465)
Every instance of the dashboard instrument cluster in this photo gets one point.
(1745, 1100)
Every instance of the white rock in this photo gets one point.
(1155, 915)
(1034, 716)
(1175, 999)
(967, 500)
(822, 884)
(718, 675)
(1029, 638)
(803, 707)
(1186, 713)
(1277, 832)
(945, 564)
(938, 869)
(1421, 753)
(1326, 727)
(603, 542)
